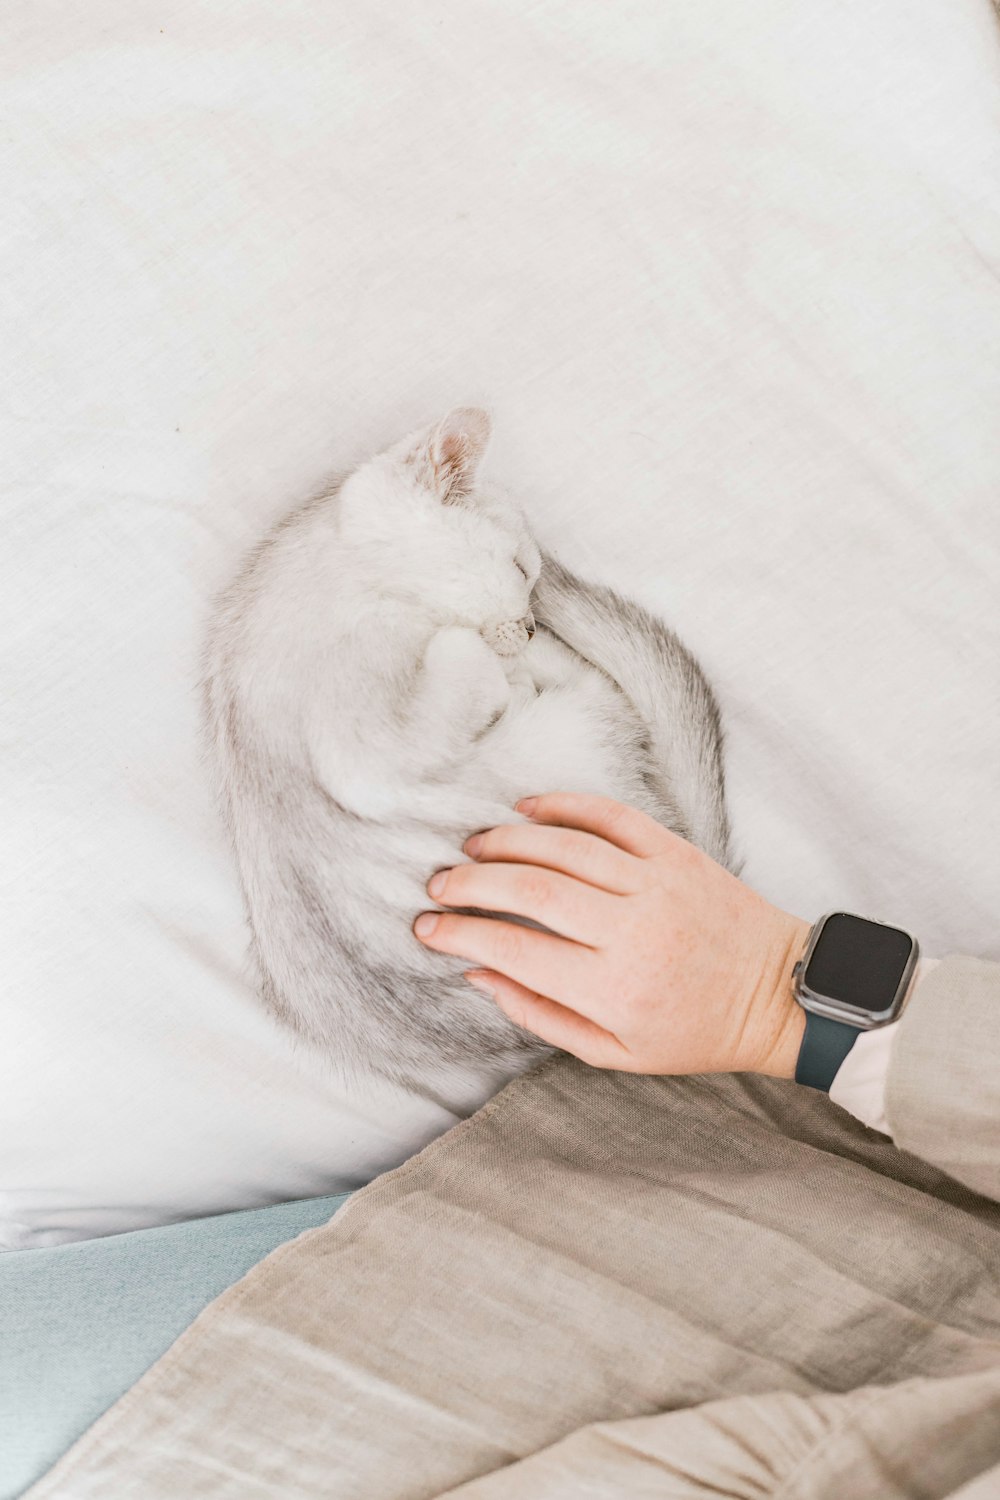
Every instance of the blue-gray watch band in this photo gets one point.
(824, 1046)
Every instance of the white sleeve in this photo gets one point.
(859, 1086)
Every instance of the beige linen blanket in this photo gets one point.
(606, 1286)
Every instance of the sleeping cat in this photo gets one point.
(393, 667)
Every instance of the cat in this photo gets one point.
(393, 667)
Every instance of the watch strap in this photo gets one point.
(825, 1044)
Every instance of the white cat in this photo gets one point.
(394, 666)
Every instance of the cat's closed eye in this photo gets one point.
(522, 570)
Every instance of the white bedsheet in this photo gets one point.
(727, 275)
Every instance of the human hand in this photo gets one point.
(657, 960)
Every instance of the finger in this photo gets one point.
(549, 965)
(554, 1023)
(625, 827)
(582, 855)
(559, 902)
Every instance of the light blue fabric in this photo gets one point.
(80, 1323)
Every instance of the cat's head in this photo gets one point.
(423, 528)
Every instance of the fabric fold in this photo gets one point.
(555, 1262)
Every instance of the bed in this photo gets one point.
(725, 277)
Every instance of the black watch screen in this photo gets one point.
(858, 963)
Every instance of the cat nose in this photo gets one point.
(529, 624)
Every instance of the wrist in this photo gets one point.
(782, 1019)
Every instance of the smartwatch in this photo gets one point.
(854, 976)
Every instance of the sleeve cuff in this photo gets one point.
(860, 1084)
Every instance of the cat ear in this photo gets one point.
(446, 460)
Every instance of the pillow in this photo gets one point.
(726, 276)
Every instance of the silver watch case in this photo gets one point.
(836, 1010)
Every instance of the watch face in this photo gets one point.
(858, 963)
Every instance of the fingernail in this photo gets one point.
(472, 846)
(480, 980)
(526, 806)
(425, 924)
(436, 884)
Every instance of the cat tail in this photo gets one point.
(663, 682)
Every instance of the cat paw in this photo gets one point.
(465, 676)
(454, 653)
(508, 637)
